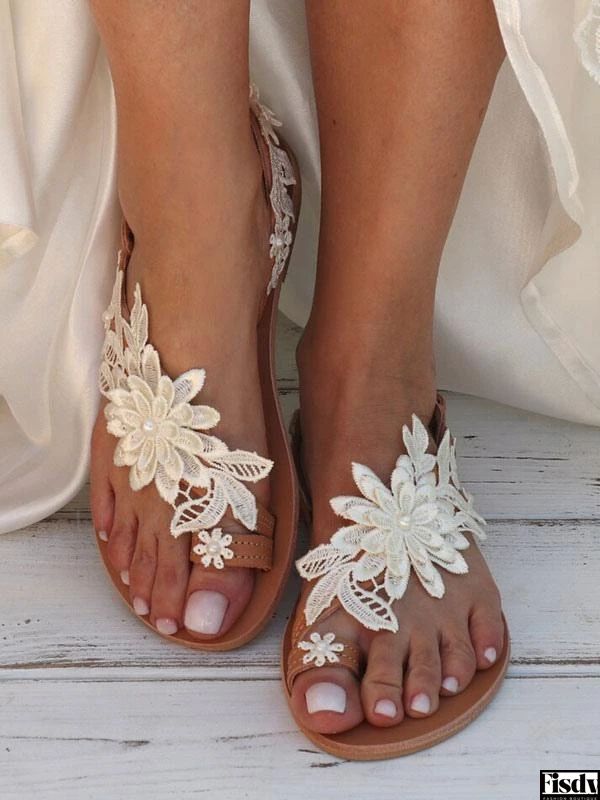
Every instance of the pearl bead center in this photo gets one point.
(148, 425)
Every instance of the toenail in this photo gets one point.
(421, 703)
(450, 684)
(490, 654)
(386, 708)
(103, 535)
(205, 611)
(325, 697)
(166, 626)
(125, 577)
(140, 606)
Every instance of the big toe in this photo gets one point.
(215, 599)
(327, 699)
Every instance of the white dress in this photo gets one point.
(518, 304)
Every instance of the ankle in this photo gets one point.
(358, 364)
(213, 190)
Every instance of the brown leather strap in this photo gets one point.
(299, 661)
(251, 550)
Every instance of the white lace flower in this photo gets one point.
(157, 427)
(214, 547)
(416, 523)
(321, 650)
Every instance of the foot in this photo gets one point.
(357, 414)
(201, 257)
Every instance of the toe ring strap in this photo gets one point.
(251, 550)
(312, 650)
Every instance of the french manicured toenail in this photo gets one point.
(490, 654)
(103, 535)
(421, 703)
(386, 708)
(140, 606)
(205, 611)
(125, 577)
(325, 697)
(450, 684)
(166, 626)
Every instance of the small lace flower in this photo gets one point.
(321, 650)
(214, 547)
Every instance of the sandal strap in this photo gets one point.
(313, 653)
(251, 549)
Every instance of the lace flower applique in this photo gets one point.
(282, 177)
(321, 650)
(163, 436)
(415, 524)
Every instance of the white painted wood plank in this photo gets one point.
(235, 739)
(57, 606)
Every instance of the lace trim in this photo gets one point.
(321, 650)
(415, 524)
(162, 435)
(282, 176)
(587, 38)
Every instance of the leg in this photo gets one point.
(190, 185)
(401, 95)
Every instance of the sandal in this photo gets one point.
(194, 471)
(337, 569)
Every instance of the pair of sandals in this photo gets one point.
(166, 438)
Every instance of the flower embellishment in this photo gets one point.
(321, 650)
(213, 546)
(418, 523)
(163, 435)
(158, 428)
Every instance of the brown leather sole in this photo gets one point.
(283, 504)
(366, 742)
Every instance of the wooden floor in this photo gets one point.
(92, 705)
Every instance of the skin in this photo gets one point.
(401, 95)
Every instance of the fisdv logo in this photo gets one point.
(569, 784)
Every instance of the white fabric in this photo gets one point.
(519, 295)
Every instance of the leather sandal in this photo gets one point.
(416, 523)
(167, 438)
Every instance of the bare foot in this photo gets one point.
(355, 413)
(201, 257)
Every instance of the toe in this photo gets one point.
(487, 633)
(215, 599)
(143, 570)
(327, 699)
(101, 494)
(458, 660)
(122, 539)
(381, 688)
(423, 676)
(170, 584)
